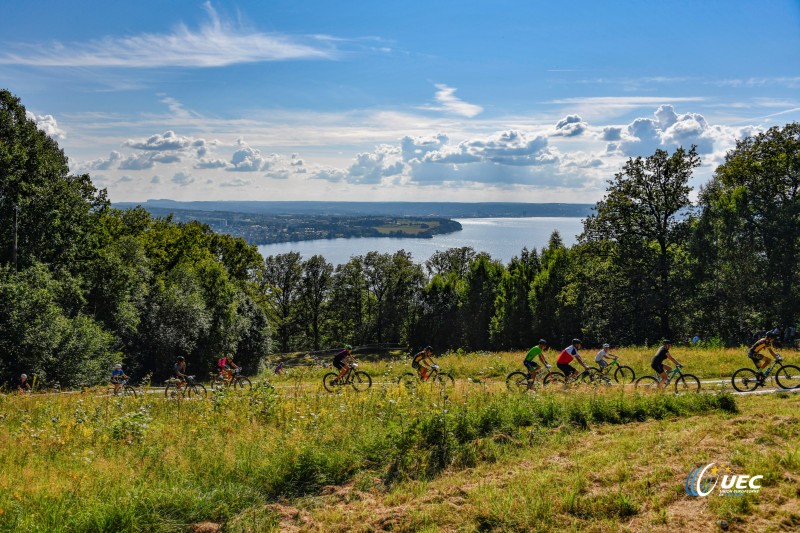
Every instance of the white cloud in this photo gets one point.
(248, 159)
(571, 126)
(166, 141)
(48, 124)
(236, 182)
(216, 43)
(450, 103)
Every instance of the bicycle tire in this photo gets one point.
(646, 383)
(597, 377)
(744, 380)
(171, 390)
(445, 380)
(788, 377)
(517, 382)
(554, 378)
(329, 381)
(361, 381)
(194, 390)
(242, 383)
(624, 375)
(129, 392)
(217, 382)
(687, 383)
(408, 380)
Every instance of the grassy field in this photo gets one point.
(474, 459)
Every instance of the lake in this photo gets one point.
(502, 238)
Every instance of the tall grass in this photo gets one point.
(83, 462)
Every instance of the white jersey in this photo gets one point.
(600, 355)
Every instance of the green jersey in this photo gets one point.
(533, 353)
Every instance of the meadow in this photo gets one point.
(473, 458)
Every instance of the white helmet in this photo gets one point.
(606, 345)
(24, 376)
(118, 365)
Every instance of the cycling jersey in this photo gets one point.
(533, 353)
(179, 369)
(761, 344)
(567, 355)
(600, 356)
(117, 372)
(661, 356)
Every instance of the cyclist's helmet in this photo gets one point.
(348, 347)
(576, 341)
(181, 358)
(118, 365)
(667, 341)
(24, 376)
(606, 345)
(428, 348)
(772, 334)
(542, 342)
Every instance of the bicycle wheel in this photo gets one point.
(330, 381)
(128, 391)
(445, 380)
(598, 377)
(744, 380)
(195, 390)
(687, 383)
(242, 383)
(646, 383)
(788, 377)
(408, 380)
(361, 381)
(217, 382)
(518, 382)
(554, 378)
(624, 375)
(171, 390)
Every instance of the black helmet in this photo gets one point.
(667, 341)
(542, 341)
(428, 349)
(181, 358)
(576, 341)
(772, 334)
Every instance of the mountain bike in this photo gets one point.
(220, 380)
(587, 376)
(410, 380)
(683, 382)
(519, 381)
(786, 376)
(622, 374)
(189, 389)
(359, 379)
(124, 390)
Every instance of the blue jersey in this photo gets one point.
(117, 372)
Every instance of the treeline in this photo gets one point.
(650, 264)
(84, 286)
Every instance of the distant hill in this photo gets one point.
(400, 209)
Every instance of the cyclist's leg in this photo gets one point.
(533, 369)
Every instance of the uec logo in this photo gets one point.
(697, 484)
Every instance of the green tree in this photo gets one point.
(283, 275)
(482, 282)
(512, 323)
(644, 216)
(316, 288)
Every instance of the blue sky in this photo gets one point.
(449, 101)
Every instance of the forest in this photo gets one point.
(85, 285)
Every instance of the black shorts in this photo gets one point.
(755, 356)
(338, 363)
(658, 366)
(532, 366)
(566, 368)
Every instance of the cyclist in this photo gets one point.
(530, 358)
(179, 371)
(226, 366)
(116, 376)
(567, 355)
(604, 354)
(765, 343)
(658, 365)
(341, 359)
(23, 385)
(422, 362)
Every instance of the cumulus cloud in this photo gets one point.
(248, 159)
(155, 179)
(48, 124)
(216, 43)
(210, 163)
(236, 182)
(571, 126)
(182, 178)
(417, 147)
(166, 141)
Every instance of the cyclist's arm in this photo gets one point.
(542, 359)
(669, 356)
(771, 351)
(578, 357)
